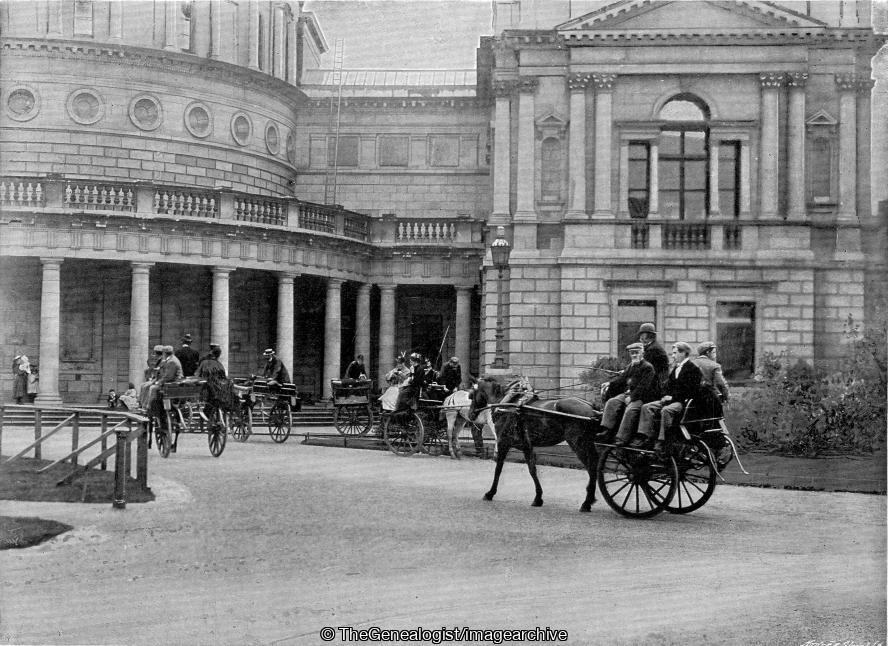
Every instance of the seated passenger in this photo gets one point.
(129, 398)
(713, 387)
(410, 389)
(394, 378)
(274, 370)
(170, 370)
(682, 384)
(635, 386)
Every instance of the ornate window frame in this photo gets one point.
(135, 120)
(86, 121)
(273, 147)
(188, 125)
(822, 126)
(35, 107)
(291, 147)
(241, 140)
(551, 127)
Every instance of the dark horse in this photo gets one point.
(547, 423)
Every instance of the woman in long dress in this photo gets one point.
(395, 377)
(20, 373)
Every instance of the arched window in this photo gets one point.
(550, 169)
(683, 163)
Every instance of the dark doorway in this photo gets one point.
(426, 332)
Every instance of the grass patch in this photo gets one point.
(20, 480)
(18, 532)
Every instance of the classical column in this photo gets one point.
(795, 178)
(171, 34)
(216, 33)
(139, 320)
(291, 50)
(577, 150)
(332, 333)
(279, 48)
(220, 311)
(501, 152)
(50, 325)
(769, 153)
(526, 140)
(745, 179)
(253, 43)
(604, 90)
(847, 86)
(387, 304)
(362, 324)
(864, 145)
(654, 198)
(714, 146)
(285, 319)
(201, 26)
(463, 332)
(115, 20)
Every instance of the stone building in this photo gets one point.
(702, 165)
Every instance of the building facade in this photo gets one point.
(205, 176)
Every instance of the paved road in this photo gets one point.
(270, 543)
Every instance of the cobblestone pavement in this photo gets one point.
(268, 544)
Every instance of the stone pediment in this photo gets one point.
(689, 16)
(822, 118)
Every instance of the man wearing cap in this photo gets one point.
(188, 357)
(150, 375)
(626, 394)
(712, 384)
(654, 353)
(274, 370)
(682, 384)
(170, 370)
(451, 375)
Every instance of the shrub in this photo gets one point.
(601, 371)
(797, 409)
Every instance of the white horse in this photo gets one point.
(460, 407)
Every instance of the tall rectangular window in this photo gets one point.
(345, 154)
(729, 178)
(684, 174)
(735, 338)
(631, 313)
(639, 178)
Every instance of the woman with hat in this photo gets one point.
(409, 394)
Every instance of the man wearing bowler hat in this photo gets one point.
(188, 357)
(654, 353)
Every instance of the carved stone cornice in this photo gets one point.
(865, 86)
(796, 79)
(402, 102)
(771, 80)
(528, 84)
(846, 81)
(578, 81)
(503, 89)
(604, 81)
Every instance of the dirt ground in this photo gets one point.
(271, 543)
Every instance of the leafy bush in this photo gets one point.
(797, 409)
(601, 371)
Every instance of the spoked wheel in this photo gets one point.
(353, 420)
(161, 437)
(434, 437)
(403, 433)
(696, 477)
(241, 424)
(217, 434)
(634, 483)
(280, 422)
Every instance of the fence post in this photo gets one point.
(75, 437)
(104, 440)
(38, 425)
(2, 413)
(142, 455)
(120, 471)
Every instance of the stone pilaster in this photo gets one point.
(745, 180)
(202, 27)
(362, 322)
(115, 20)
(714, 206)
(285, 331)
(769, 157)
(221, 307)
(796, 209)
(216, 47)
(526, 139)
(501, 152)
(604, 89)
(279, 34)
(864, 145)
(387, 303)
(139, 321)
(253, 43)
(171, 31)
(846, 84)
(332, 334)
(463, 332)
(50, 330)
(577, 83)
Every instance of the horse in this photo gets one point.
(533, 423)
(460, 408)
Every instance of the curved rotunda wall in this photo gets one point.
(134, 114)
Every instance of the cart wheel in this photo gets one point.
(353, 420)
(634, 483)
(280, 422)
(162, 437)
(434, 435)
(403, 433)
(696, 477)
(217, 434)
(241, 424)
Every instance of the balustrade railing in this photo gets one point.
(640, 235)
(264, 211)
(21, 193)
(732, 237)
(425, 232)
(685, 235)
(316, 217)
(356, 226)
(197, 204)
(99, 197)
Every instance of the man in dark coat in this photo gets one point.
(630, 390)
(451, 375)
(188, 357)
(275, 370)
(410, 389)
(682, 384)
(356, 369)
(654, 353)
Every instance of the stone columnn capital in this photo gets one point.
(604, 81)
(772, 79)
(578, 80)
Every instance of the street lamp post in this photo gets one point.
(499, 253)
